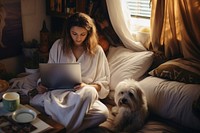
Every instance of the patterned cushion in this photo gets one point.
(182, 70)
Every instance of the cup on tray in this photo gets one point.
(11, 101)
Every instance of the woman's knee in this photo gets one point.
(101, 109)
(89, 92)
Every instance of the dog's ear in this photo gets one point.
(140, 96)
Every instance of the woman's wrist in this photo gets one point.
(96, 86)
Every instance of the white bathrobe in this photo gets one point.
(81, 109)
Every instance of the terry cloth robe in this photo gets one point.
(81, 109)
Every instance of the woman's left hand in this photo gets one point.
(79, 86)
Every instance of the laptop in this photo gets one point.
(60, 75)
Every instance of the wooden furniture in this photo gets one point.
(57, 127)
(59, 10)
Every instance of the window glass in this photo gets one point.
(139, 8)
(140, 11)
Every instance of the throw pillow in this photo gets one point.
(125, 63)
(182, 70)
(173, 100)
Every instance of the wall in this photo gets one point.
(33, 14)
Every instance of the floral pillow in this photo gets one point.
(180, 69)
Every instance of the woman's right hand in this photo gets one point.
(41, 88)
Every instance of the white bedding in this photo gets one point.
(125, 63)
(172, 100)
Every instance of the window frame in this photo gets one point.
(139, 8)
(139, 21)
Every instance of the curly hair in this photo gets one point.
(84, 21)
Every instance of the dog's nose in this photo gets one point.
(124, 101)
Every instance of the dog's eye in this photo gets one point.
(130, 94)
(121, 92)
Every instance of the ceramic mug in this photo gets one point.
(11, 101)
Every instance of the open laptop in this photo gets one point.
(60, 75)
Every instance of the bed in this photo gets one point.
(171, 89)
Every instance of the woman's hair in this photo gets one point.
(84, 21)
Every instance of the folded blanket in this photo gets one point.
(24, 84)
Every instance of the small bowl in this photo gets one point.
(24, 115)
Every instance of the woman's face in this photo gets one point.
(78, 35)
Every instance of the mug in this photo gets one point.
(11, 101)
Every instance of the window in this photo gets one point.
(140, 11)
(139, 8)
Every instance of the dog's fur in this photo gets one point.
(131, 108)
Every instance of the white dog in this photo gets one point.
(131, 110)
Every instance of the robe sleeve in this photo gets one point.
(102, 74)
(55, 52)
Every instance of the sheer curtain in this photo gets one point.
(175, 28)
(120, 19)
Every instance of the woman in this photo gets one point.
(80, 109)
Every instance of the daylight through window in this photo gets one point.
(140, 11)
(139, 8)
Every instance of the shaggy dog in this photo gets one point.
(131, 110)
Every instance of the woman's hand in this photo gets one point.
(41, 88)
(81, 85)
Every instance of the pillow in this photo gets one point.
(182, 70)
(125, 63)
(172, 100)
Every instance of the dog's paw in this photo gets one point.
(114, 110)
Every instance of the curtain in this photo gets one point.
(120, 20)
(175, 28)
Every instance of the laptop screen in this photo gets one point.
(60, 75)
